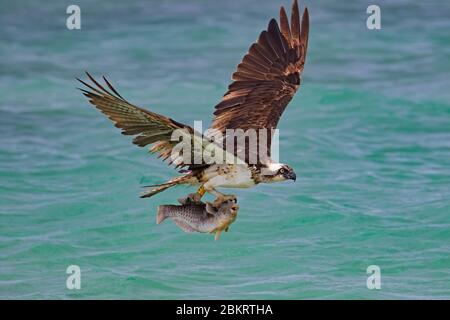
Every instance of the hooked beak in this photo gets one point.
(291, 176)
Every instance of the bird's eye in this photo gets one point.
(281, 170)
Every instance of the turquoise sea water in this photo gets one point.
(368, 135)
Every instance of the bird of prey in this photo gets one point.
(262, 86)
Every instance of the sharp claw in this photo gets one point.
(196, 197)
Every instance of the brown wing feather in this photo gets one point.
(268, 76)
(147, 126)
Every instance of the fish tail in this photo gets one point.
(161, 187)
(162, 214)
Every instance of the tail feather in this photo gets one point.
(157, 185)
(161, 187)
(156, 190)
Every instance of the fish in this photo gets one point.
(199, 216)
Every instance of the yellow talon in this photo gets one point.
(201, 191)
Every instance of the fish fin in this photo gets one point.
(183, 201)
(161, 214)
(210, 208)
(184, 226)
(217, 236)
(191, 198)
(226, 229)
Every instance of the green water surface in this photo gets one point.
(368, 135)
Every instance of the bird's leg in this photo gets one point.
(201, 191)
(221, 198)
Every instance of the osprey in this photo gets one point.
(263, 85)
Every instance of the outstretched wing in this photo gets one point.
(153, 128)
(267, 78)
(147, 126)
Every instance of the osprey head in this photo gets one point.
(275, 172)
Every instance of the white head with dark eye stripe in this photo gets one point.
(276, 172)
